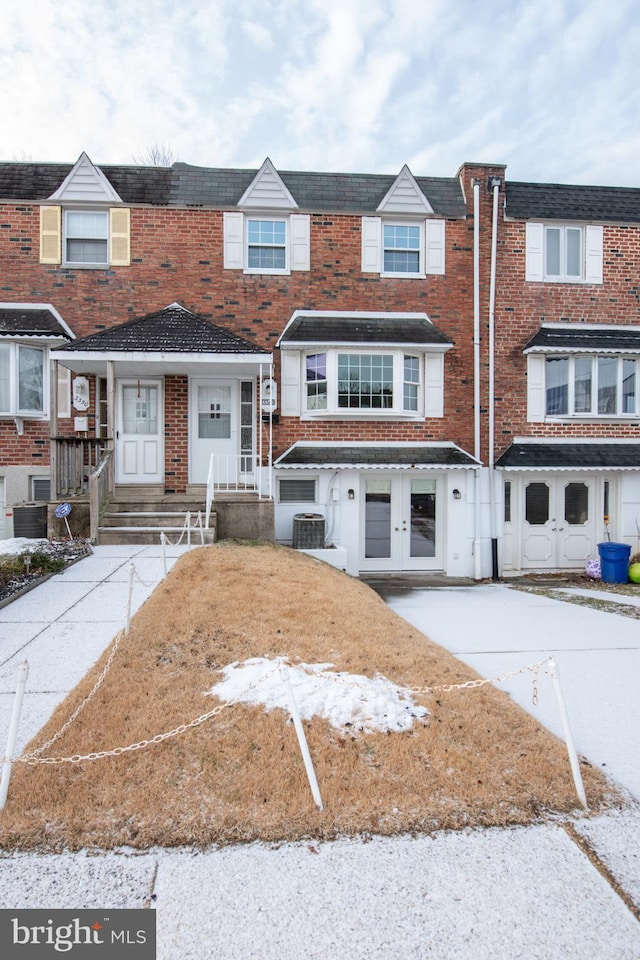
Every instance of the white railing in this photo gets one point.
(233, 473)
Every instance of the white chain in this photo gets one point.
(472, 684)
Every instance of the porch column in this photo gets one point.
(53, 428)
(111, 401)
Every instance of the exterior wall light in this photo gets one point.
(456, 494)
(351, 494)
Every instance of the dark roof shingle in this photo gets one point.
(445, 455)
(575, 337)
(559, 201)
(329, 328)
(30, 322)
(528, 456)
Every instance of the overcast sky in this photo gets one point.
(549, 87)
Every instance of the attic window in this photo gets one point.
(86, 237)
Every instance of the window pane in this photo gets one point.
(365, 382)
(140, 410)
(87, 251)
(267, 244)
(377, 518)
(557, 373)
(576, 503)
(537, 503)
(628, 386)
(582, 384)
(411, 383)
(507, 501)
(607, 384)
(30, 379)
(87, 236)
(552, 251)
(316, 376)
(574, 252)
(401, 245)
(5, 378)
(422, 541)
(267, 258)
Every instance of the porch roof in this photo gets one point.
(584, 338)
(602, 455)
(326, 327)
(173, 336)
(369, 456)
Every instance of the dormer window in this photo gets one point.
(86, 237)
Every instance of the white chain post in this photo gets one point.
(571, 750)
(302, 740)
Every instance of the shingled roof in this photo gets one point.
(186, 185)
(172, 330)
(24, 321)
(559, 201)
(373, 455)
(336, 328)
(576, 337)
(570, 456)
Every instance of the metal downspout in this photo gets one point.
(495, 184)
(476, 378)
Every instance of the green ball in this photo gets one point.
(634, 573)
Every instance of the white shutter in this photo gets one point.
(371, 244)
(119, 237)
(233, 241)
(435, 236)
(64, 391)
(290, 378)
(593, 237)
(536, 394)
(50, 234)
(434, 385)
(299, 225)
(535, 251)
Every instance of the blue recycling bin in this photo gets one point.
(614, 562)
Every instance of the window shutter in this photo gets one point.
(64, 391)
(434, 385)
(371, 244)
(50, 235)
(290, 375)
(535, 251)
(593, 253)
(299, 225)
(119, 237)
(435, 235)
(536, 395)
(233, 240)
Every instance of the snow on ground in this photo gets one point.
(346, 700)
(14, 546)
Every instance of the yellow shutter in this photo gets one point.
(119, 237)
(50, 238)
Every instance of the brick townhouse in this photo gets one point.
(415, 373)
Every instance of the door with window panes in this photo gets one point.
(559, 521)
(400, 523)
(223, 426)
(139, 431)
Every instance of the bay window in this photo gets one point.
(21, 380)
(584, 385)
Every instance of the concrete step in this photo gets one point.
(146, 518)
(151, 535)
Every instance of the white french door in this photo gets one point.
(558, 521)
(139, 431)
(401, 523)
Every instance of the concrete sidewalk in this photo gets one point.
(529, 893)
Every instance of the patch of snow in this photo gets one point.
(14, 546)
(622, 598)
(346, 700)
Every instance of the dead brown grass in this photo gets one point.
(481, 760)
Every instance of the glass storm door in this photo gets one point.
(558, 522)
(222, 415)
(400, 524)
(139, 432)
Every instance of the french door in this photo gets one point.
(559, 521)
(401, 524)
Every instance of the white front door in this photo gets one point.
(401, 523)
(139, 432)
(222, 424)
(559, 529)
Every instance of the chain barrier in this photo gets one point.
(186, 528)
(31, 759)
(473, 684)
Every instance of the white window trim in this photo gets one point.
(336, 412)
(265, 218)
(14, 409)
(418, 274)
(591, 253)
(537, 389)
(432, 246)
(85, 264)
(236, 241)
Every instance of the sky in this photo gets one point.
(547, 87)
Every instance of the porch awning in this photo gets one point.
(578, 337)
(170, 340)
(571, 456)
(374, 456)
(33, 320)
(327, 327)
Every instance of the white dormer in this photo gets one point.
(268, 191)
(405, 198)
(85, 184)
